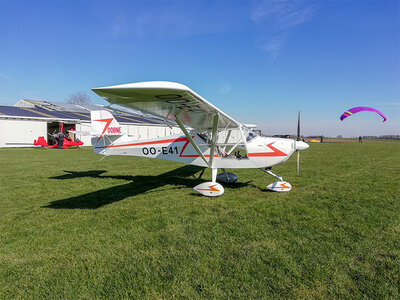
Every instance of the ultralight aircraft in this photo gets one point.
(210, 139)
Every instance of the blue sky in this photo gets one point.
(258, 61)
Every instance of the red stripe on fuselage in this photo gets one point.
(147, 143)
(275, 152)
(160, 142)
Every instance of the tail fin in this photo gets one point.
(104, 123)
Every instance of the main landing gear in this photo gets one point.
(213, 188)
(277, 186)
(227, 177)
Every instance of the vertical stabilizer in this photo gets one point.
(104, 124)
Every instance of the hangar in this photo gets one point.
(27, 120)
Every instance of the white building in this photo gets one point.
(27, 120)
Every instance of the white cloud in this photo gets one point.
(6, 77)
(271, 44)
(276, 19)
(177, 19)
(225, 88)
(120, 25)
(272, 20)
(283, 13)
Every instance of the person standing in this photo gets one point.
(360, 139)
(60, 137)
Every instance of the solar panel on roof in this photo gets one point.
(65, 115)
(39, 112)
(17, 112)
(82, 116)
(68, 107)
(81, 108)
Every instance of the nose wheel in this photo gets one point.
(279, 186)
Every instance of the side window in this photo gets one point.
(250, 136)
(203, 137)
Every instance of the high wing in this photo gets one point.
(171, 101)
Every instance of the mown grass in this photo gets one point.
(74, 227)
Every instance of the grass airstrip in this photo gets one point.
(72, 226)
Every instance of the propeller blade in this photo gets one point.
(298, 139)
(298, 127)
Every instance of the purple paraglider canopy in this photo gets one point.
(355, 110)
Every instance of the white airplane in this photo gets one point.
(211, 139)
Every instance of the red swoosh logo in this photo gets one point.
(275, 152)
(283, 186)
(108, 122)
(211, 188)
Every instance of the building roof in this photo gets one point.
(59, 106)
(41, 113)
(82, 111)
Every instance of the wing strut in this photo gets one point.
(227, 138)
(233, 148)
(190, 139)
(213, 139)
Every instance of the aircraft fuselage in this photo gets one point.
(261, 152)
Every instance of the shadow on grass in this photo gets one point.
(181, 178)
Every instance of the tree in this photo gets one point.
(79, 98)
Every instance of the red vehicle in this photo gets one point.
(67, 142)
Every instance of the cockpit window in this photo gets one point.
(251, 135)
(203, 137)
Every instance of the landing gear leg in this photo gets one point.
(223, 170)
(214, 175)
(268, 171)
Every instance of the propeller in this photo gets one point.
(299, 144)
(297, 140)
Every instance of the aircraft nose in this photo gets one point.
(301, 145)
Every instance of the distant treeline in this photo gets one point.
(384, 137)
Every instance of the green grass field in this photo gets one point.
(72, 226)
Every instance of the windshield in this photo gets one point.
(250, 136)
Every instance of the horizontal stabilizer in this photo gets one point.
(86, 133)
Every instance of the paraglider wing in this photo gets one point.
(355, 110)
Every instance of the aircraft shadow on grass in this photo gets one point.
(182, 177)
